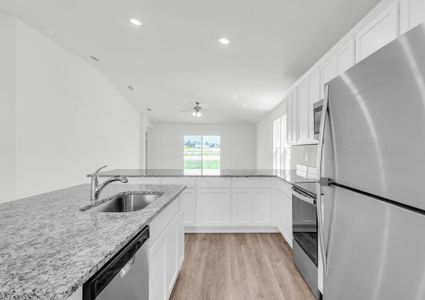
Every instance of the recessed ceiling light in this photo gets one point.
(224, 41)
(94, 58)
(130, 87)
(148, 109)
(136, 22)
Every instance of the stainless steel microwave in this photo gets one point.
(317, 114)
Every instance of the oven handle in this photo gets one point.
(319, 180)
(304, 198)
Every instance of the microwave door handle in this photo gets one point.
(319, 179)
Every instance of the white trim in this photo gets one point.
(231, 229)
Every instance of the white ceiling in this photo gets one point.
(175, 58)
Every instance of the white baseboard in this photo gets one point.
(231, 229)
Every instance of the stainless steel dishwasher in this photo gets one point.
(125, 276)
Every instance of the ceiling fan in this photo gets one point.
(196, 110)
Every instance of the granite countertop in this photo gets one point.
(49, 248)
(289, 175)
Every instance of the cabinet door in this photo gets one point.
(213, 206)
(180, 241)
(345, 57)
(171, 252)
(382, 30)
(329, 70)
(291, 113)
(157, 282)
(340, 62)
(241, 206)
(188, 204)
(303, 112)
(286, 217)
(262, 207)
(314, 95)
(415, 12)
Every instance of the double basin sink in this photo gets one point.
(125, 202)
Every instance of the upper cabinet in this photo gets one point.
(338, 63)
(375, 35)
(307, 93)
(291, 118)
(381, 26)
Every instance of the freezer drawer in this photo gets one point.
(376, 250)
(306, 267)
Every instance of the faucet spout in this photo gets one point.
(96, 188)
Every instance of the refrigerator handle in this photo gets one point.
(319, 179)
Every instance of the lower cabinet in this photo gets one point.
(188, 199)
(282, 194)
(166, 252)
(251, 207)
(213, 206)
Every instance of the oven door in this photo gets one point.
(304, 227)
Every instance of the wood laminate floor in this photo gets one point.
(239, 266)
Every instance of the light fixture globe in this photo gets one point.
(197, 110)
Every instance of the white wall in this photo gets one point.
(303, 155)
(7, 108)
(265, 137)
(69, 118)
(238, 144)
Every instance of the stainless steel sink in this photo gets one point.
(127, 202)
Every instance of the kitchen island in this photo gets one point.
(49, 247)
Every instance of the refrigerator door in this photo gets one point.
(375, 250)
(375, 140)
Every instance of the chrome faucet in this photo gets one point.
(96, 188)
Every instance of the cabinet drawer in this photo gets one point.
(189, 182)
(213, 182)
(249, 182)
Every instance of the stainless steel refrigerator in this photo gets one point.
(372, 176)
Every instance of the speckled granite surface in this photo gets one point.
(49, 248)
(289, 175)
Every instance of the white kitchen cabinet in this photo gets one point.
(282, 194)
(180, 241)
(375, 35)
(338, 63)
(188, 199)
(241, 209)
(213, 206)
(302, 113)
(414, 11)
(314, 95)
(166, 251)
(291, 117)
(171, 255)
(262, 207)
(309, 92)
(251, 206)
(157, 280)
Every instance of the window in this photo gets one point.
(202, 155)
(281, 151)
(276, 144)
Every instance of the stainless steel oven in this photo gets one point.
(317, 114)
(304, 230)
